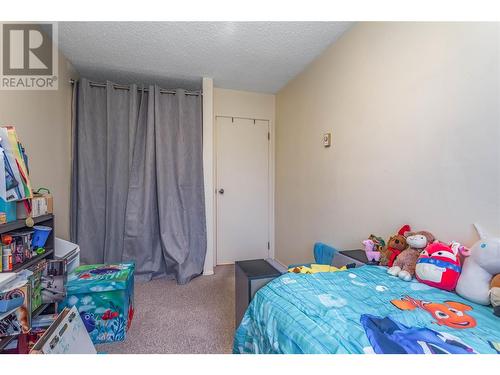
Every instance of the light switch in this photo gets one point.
(327, 139)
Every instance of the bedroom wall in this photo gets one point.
(43, 123)
(243, 103)
(414, 109)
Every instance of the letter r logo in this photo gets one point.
(26, 50)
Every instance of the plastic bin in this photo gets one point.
(67, 250)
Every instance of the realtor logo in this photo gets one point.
(29, 56)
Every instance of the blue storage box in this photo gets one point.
(10, 210)
(104, 296)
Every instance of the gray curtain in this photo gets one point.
(137, 183)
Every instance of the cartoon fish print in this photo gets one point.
(451, 314)
(108, 315)
(88, 321)
(388, 336)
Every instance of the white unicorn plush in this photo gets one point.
(482, 263)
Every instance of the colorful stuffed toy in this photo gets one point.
(439, 265)
(373, 247)
(371, 253)
(395, 246)
(479, 268)
(377, 241)
(316, 268)
(404, 264)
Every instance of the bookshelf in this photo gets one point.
(47, 220)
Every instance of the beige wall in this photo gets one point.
(415, 113)
(243, 104)
(43, 123)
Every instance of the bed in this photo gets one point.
(363, 310)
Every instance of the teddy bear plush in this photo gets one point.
(395, 246)
(404, 264)
(495, 294)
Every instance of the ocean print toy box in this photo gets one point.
(104, 297)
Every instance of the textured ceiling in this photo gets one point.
(253, 56)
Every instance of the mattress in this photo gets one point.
(363, 310)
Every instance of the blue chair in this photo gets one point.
(323, 254)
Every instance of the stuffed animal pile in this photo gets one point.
(418, 254)
(405, 263)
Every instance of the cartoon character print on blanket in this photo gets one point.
(387, 336)
(450, 314)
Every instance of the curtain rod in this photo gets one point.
(125, 87)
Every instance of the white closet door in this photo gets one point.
(242, 189)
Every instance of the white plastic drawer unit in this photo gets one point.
(69, 251)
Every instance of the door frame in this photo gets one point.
(271, 170)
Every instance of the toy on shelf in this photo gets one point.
(394, 247)
(404, 264)
(439, 265)
(479, 268)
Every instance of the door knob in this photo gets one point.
(221, 191)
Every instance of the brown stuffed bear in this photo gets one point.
(495, 294)
(394, 247)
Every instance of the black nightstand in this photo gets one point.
(250, 276)
(352, 258)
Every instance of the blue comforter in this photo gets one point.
(363, 310)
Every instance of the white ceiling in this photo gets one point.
(253, 56)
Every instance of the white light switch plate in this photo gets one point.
(327, 139)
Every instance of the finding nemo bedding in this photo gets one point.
(363, 310)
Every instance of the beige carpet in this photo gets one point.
(193, 318)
